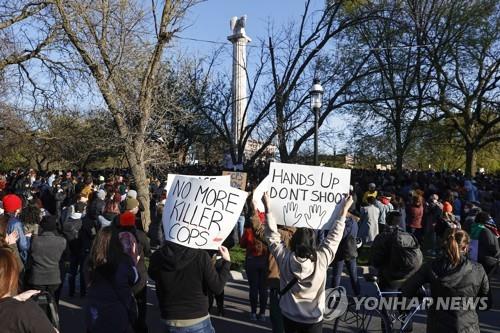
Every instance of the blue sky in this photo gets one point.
(210, 19)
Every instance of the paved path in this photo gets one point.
(237, 307)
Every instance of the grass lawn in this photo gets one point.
(237, 258)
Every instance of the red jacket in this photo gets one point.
(248, 242)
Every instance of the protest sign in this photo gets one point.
(201, 213)
(225, 180)
(259, 192)
(238, 179)
(305, 195)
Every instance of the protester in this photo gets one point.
(30, 217)
(395, 254)
(273, 276)
(451, 275)
(303, 270)
(42, 267)
(183, 276)
(415, 217)
(368, 226)
(484, 244)
(383, 203)
(372, 192)
(136, 244)
(347, 254)
(96, 205)
(447, 221)
(111, 274)
(17, 313)
(12, 206)
(433, 214)
(71, 231)
(256, 267)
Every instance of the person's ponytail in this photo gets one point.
(455, 242)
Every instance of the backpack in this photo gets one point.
(71, 228)
(406, 256)
(130, 245)
(348, 249)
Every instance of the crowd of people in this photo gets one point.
(85, 229)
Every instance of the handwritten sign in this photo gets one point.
(225, 180)
(238, 179)
(304, 195)
(201, 213)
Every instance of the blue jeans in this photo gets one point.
(203, 327)
(338, 267)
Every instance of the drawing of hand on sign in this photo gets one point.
(316, 213)
(291, 214)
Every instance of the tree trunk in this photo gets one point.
(399, 161)
(470, 160)
(138, 169)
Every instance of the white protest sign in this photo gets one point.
(259, 192)
(305, 195)
(201, 213)
(225, 180)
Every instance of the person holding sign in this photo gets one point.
(303, 269)
(182, 277)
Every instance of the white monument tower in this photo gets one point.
(239, 82)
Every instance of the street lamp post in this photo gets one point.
(316, 97)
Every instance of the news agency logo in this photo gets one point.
(336, 303)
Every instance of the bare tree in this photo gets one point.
(122, 43)
(18, 44)
(287, 62)
(466, 55)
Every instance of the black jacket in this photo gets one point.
(23, 317)
(468, 279)
(183, 278)
(96, 208)
(86, 235)
(387, 257)
(488, 250)
(43, 260)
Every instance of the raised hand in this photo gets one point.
(291, 215)
(316, 213)
(12, 238)
(265, 201)
(347, 203)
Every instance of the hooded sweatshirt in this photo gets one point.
(305, 301)
(183, 278)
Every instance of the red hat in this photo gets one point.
(11, 203)
(447, 207)
(127, 219)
